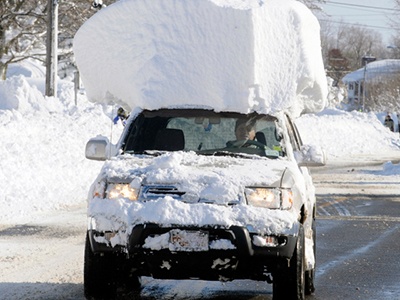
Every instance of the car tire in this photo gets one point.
(98, 276)
(131, 285)
(289, 281)
(310, 274)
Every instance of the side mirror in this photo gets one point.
(310, 156)
(98, 148)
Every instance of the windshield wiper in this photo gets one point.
(146, 152)
(223, 153)
(230, 153)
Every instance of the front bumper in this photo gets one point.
(244, 260)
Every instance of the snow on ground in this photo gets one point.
(43, 167)
(43, 170)
(349, 135)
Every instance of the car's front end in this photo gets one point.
(149, 218)
(205, 209)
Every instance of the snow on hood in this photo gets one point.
(220, 179)
(203, 177)
(236, 55)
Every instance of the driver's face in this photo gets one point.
(244, 132)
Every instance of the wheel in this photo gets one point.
(98, 275)
(310, 274)
(106, 274)
(289, 282)
(131, 285)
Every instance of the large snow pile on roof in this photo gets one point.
(231, 55)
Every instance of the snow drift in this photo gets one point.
(229, 55)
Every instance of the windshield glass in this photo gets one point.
(204, 132)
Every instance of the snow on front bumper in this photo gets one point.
(120, 216)
(153, 237)
(213, 253)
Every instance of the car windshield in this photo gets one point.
(205, 132)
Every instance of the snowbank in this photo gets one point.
(346, 135)
(43, 166)
(27, 68)
(230, 55)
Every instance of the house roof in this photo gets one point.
(374, 70)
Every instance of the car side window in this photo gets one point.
(293, 134)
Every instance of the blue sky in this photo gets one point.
(370, 13)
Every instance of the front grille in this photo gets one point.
(156, 191)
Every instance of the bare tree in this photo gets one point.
(22, 30)
(359, 41)
(394, 47)
(23, 26)
(383, 94)
(338, 65)
(72, 14)
(353, 41)
(313, 4)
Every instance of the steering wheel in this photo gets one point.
(241, 143)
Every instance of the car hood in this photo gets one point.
(197, 178)
(206, 179)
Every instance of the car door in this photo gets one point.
(296, 142)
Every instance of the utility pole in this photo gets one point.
(365, 60)
(52, 48)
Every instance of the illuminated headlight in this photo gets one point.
(119, 190)
(273, 198)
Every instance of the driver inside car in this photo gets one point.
(245, 130)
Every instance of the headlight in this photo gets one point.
(119, 190)
(274, 198)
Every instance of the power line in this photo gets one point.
(368, 13)
(357, 24)
(359, 5)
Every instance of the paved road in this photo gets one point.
(357, 249)
(357, 256)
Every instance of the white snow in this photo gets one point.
(238, 55)
(374, 70)
(349, 134)
(43, 168)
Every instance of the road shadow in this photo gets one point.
(153, 290)
(40, 291)
(204, 290)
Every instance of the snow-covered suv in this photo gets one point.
(180, 197)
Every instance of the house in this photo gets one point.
(375, 72)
